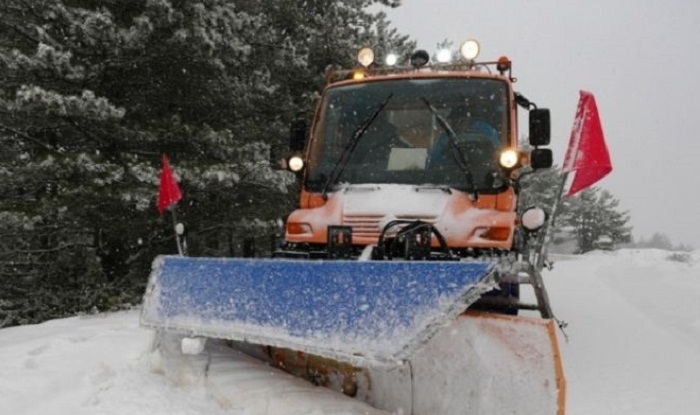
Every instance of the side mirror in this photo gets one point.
(539, 127)
(297, 135)
(541, 158)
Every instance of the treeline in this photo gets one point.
(591, 219)
(660, 240)
(92, 92)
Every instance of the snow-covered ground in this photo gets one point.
(633, 348)
(634, 331)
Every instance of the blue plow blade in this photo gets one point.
(364, 312)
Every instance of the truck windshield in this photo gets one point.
(405, 144)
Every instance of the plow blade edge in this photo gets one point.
(363, 312)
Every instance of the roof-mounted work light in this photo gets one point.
(365, 56)
(444, 55)
(470, 49)
(420, 58)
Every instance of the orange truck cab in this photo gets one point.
(414, 162)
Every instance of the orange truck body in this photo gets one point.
(491, 217)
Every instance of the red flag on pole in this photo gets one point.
(168, 191)
(587, 156)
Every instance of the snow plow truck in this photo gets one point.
(409, 277)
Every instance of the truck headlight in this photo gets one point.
(295, 163)
(509, 158)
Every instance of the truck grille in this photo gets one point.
(367, 226)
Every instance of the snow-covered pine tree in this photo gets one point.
(94, 91)
(594, 215)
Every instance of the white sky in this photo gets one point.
(638, 57)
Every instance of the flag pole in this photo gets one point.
(540, 259)
(180, 251)
(546, 237)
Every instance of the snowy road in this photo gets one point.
(634, 348)
(634, 332)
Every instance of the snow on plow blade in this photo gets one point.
(364, 312)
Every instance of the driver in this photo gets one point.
(467, 128)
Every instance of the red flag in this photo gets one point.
(587, 156)
(168, 191)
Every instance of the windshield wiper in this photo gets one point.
(339, 166)
(456, 152)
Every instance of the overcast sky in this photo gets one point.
(640, 59)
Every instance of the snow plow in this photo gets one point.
(399, 280)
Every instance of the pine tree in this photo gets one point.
(93, 92)
(594, 215)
